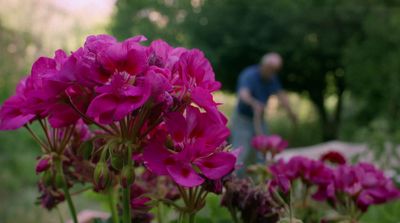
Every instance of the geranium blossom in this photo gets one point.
(196, 139)
(310, 172)
(118, 98)
(333, 157)
(151, 105)
(269, 143)
(362, 184)
(365, 184)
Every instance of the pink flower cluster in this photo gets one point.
(362, 184)
(197, 139)
(155, 99)
(108, 80)
(273, 144)
(311, 172)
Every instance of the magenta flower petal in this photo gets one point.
(42, 165)
(217, 165)
(102, 108)
(118, 98)
(156, 156)
(136, 39)
(137, 60)
(97, 43)
(11, 115)
(62, 115)
(42, 67)
(203, 98)
(269, 143)
(176, 125)
(124, 57)
(183, 174)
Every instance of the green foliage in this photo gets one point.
(373, 65)
(154, 18)
(388, 213)
(13, 54)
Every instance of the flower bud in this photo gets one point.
(43, 165)
(117, 162)
(102, 177)
(127, 176)
(86, 150)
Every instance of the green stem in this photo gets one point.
(191, 218)
(66, 191)
(126, 205)
(234, 217)
(291, 214)
(185, 217)
(113, 206)
(60, 215)
(159, 212)
(181, 217)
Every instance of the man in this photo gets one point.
(256, 84)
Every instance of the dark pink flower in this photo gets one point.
(269, 143)
(194, 78)
(43, 165)
(310, 172)
(140, 204)
(194, 70)
(196, 153)
(362, 184)
(159, 81)
(128, 56)
(102, 56)
(32, 98)
(333, 157)
(117, 99)
(12, 113)
(84, 63)
(163, 55)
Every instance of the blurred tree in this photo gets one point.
(154, 18)
(373, 66)
(314, 37)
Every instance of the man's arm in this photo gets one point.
(284, 101)
(245, 96)
(258, 109)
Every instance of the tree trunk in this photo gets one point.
(329, 125)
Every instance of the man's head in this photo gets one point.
(271, 63)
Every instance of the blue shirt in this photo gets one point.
(260, 88)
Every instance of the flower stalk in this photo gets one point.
(126, 205)
(67, 195)
(113, 207)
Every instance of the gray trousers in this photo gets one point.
(242, 131)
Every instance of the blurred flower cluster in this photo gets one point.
(301, 187)
(112, 108)
(350, 189)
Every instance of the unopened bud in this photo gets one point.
(117, 162)
(127, 176)
(102, 177)
(43, 165)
